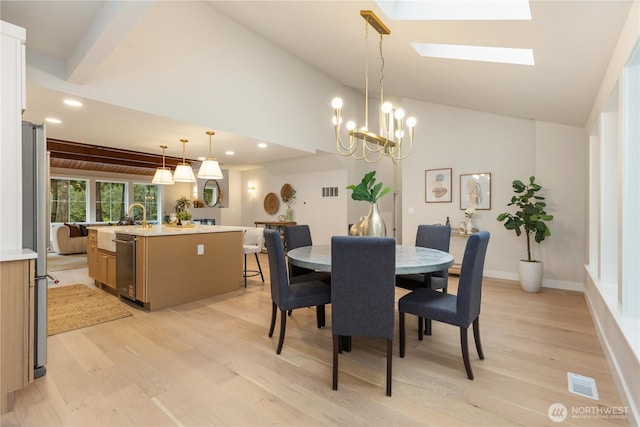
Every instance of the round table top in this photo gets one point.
(409, 259)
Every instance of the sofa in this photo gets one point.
(69, 239)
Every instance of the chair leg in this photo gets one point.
(290, 311)
(389, 364)
(403, 337)
(336, 344)
(465, 352)
(274, 310)
(320, 321)
(420, 332)
(283, 326)
(259, 268)
(476, 337)
(427, 327)
(245, 270)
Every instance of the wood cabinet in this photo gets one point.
(106, 268)
(16, 328)
(102, 263)
(92, 253)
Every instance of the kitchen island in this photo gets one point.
(162, 266)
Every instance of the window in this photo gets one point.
(68, 200)
(110, 201)
(148, 196)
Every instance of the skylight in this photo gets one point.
(455, 10)
(476, 53)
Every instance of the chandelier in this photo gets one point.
(183, 172)
(163, 174)
(210, 168)
(364, 144)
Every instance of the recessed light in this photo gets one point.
(262, 145)
(202, 158)
(476, 53)
(73, 103)
(53, 120)
(229, 153)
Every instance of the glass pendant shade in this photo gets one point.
(163, 174)
(163, 177)
(210, 169)
(183, 172)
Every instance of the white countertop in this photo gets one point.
(164, 230)
(17, 255)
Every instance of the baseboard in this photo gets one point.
(551, 284)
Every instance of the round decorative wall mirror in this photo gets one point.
(212, 193)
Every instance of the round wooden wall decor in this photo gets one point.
(271, 203)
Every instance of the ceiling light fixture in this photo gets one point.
(183, 172)
(72, 103)
(163, 174)
(364, 144)
(210, 169)
(53, 120)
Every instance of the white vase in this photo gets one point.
(530, 276)
(470, 226)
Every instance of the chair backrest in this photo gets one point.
(277, 267)
(470, 282)
(434, 237)
(363, 286)
(297, 236)
(253, 236)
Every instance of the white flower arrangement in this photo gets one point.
(469, 212)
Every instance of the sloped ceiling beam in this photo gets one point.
(113, 23)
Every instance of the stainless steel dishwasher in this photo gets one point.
(126, 265)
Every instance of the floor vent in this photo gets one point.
(583, 386)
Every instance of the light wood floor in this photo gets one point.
(211, 363)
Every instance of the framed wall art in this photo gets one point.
(437, 185)
(475, 191)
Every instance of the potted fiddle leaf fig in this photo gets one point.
(529, 219)
(369, 191)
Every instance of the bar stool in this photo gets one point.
(252, 242)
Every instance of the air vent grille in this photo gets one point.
(583, 386)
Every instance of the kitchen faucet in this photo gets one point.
(144, 213)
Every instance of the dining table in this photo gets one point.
(409, 260)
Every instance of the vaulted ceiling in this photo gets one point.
(76, 41)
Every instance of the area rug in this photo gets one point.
(78, 306)
(57, 262)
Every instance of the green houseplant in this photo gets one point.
(529, 219)
(367, 190)
(182, 209)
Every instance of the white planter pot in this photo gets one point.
(530, 276)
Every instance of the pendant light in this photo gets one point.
(183, 172)
(210, 169)
(163, 174)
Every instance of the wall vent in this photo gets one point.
(583, 386)
(329, 191)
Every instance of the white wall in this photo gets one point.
(509, 148)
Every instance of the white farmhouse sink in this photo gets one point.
(105, 240)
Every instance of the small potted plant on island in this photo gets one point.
(531, 217)
(369, 191)
(182, 210)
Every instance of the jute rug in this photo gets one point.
(57, 262)
(78, 306)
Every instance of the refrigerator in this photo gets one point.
(35, 229)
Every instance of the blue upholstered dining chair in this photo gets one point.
(285, 296)
(297, 236)
(362, 292)
(459, 310)
(434, 237)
